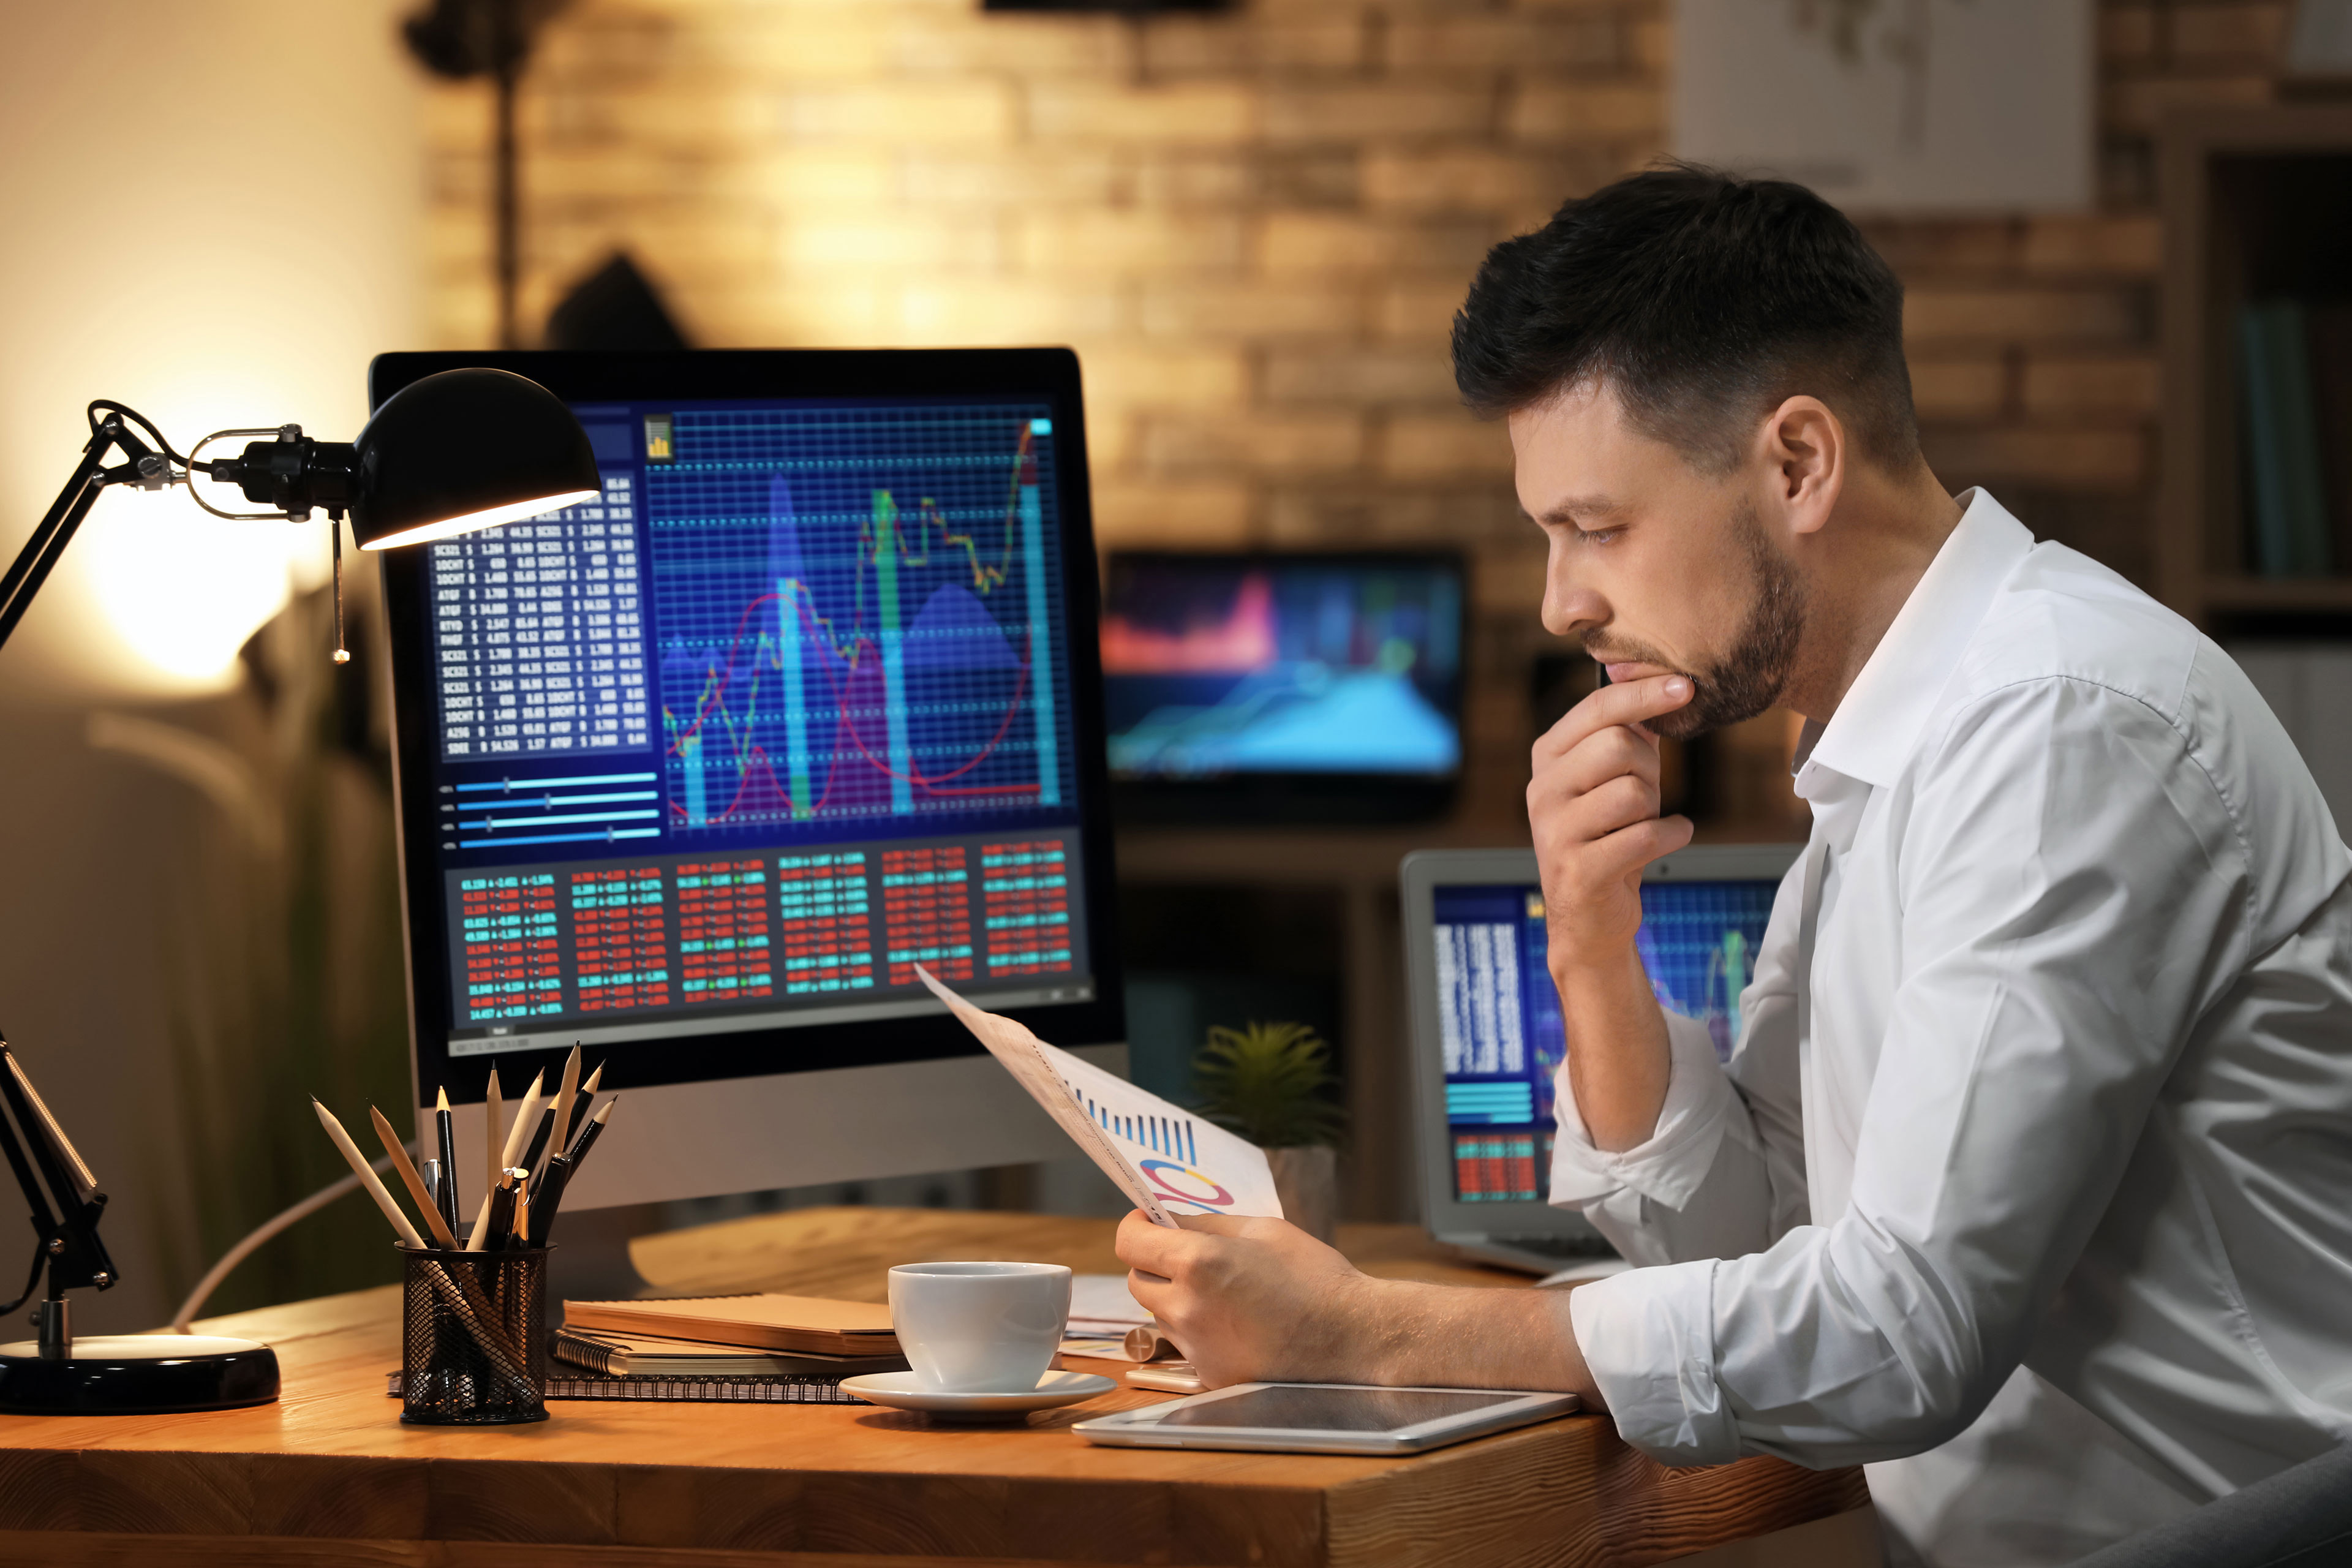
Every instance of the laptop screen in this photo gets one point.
(1499, 1021)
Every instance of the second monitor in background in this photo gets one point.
(1276, 687)
(1487, 1036)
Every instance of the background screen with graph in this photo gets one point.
(781, 714)
(1221, 665)
(1499, 1020)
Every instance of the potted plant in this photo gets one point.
(1273, 1083)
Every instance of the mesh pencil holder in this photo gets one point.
(474, 1337)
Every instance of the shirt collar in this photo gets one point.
(1872, 733)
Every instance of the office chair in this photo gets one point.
(2300, 1518)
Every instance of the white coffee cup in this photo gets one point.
(979, 1328)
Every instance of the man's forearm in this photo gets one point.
(1407, 1334)
(1619, 1058)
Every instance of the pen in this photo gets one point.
(444, 1128)
(525, 1115)
(551, 1196)
(561, 1104)
(431, 1170)
(520, 1234)
(374, 1188)
(499, 1219)
(442, 1234)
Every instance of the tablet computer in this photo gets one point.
(1324, 1418)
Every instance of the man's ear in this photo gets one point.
(1806, 449)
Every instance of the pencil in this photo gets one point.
(579, 1130)
(350, 1151)
(587, 1097)
(526, 1117)
(590, 1134)
(442, 1234)
(569, 1087)
(494, 1112)
(444, 1128)
(561, 1168)
(538, 1146)
(525, 1114)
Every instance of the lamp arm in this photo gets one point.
(141, 465)
(36, 1202)
(68, 1234)
(50, 539)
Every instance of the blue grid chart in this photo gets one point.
(859, 619)
(1698, 941)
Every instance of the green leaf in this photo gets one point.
(1272, 1083)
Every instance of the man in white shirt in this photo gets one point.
(2029, 1184)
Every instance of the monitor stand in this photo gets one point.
(589, 1260)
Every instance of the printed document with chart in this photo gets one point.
(1166, 1160)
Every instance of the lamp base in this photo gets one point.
(136, 1374)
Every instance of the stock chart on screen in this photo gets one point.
(1499, 1018)
(835, 647)
(1219, 666)
(778, 716)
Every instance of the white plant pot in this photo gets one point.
(1306, 1180)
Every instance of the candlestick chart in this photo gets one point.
(857, 621)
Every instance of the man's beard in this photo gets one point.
(1750, 677)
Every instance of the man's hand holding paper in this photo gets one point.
(1248, 1299)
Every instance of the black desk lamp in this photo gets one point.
(462, 450)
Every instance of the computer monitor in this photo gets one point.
(695, 773)
(1487, 1035)
(1284, 688)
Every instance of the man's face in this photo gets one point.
(1658, 568)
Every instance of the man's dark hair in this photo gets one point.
(1704, 300)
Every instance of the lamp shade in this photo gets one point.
(466, 449)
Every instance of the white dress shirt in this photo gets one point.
(2038, 1198)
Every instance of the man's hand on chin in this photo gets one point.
(1252, 1300)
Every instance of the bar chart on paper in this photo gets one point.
(856, 621)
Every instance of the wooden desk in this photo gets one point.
(328, 1476)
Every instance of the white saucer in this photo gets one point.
(906, 1391)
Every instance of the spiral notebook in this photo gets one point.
(626, 1355)
(581, 1383)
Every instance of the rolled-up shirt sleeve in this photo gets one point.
(2043, 996)
(1723, 1173)
(1696, 1187)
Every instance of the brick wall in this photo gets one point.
(1255, 229)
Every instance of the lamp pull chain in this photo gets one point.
(335, 529)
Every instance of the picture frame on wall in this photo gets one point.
(2319, 41)
(1895, 107)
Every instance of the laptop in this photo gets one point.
(1486, 1032)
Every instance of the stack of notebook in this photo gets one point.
(763, 1348)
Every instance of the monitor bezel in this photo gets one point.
(714, 374)
(1301, 798)
(1419, 876)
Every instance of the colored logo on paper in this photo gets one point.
(1183, 1184)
